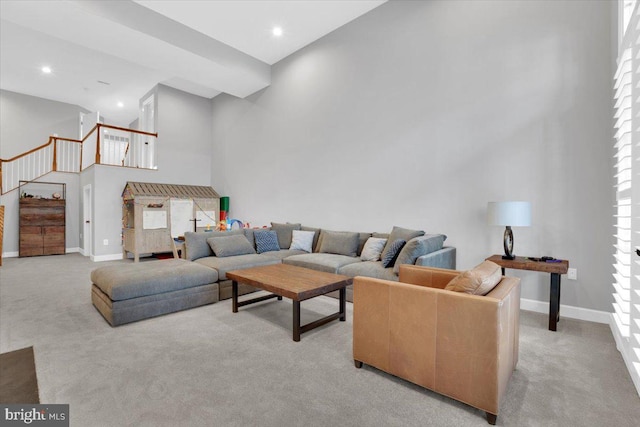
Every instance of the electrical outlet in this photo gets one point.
(105, 242)
(572, 274)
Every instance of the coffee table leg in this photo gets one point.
(234, 296)
(343, 304)
(296, 321)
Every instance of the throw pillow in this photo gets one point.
(196, 243)
(266, 241)
(373, 249)
(302, 240)
(316, 236)
(339, 242)
(400, 233)
(478, 281)
(417, 247)
(389, 258)
(230, 245)
(284, 232)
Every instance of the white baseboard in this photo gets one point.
(110, 257)
(72, 250)
(568, 311)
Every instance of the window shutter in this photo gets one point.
(626, 285)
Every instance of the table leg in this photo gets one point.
(554, 302)
(296, 321)
(502, 268)
(234, 296)
(343, 304)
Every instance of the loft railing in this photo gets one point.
(103, 145)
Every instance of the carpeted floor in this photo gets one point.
(18, 380)
(208, 366)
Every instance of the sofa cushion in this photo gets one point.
(284, 232)
(417, 247)
(369, 269)
(330, 263)
(283, 253)
(478, 281)
(373, 249)
(238, 262)
(362, 240)
(400, 233)
(266, 241)
(196, 243)
(339, 243)
(122, 282)
(230, 245)
(302, 240)
(389, 258)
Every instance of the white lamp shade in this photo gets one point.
(513, 214)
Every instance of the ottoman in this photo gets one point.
(129, 292)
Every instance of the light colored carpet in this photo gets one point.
(208, 366)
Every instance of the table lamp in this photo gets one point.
(509, 214)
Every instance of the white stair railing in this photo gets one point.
(104, 144)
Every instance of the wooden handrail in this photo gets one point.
(141, 132)
(67, 139)
(28, 152)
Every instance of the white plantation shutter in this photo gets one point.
(626, 286)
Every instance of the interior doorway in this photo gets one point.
(87, 229)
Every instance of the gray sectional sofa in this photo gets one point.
(331, 251)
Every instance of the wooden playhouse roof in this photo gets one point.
(136, 189)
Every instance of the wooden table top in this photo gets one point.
(524, 263)
(296, 283)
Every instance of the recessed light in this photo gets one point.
(277, 31)
(120, 104)
(46, 70)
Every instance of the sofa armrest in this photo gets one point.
(443, 258)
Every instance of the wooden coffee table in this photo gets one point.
(295, 283)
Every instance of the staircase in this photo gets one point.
(103, 145)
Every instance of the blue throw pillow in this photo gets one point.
(266, 241)
(389, 258)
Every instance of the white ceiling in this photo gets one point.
(201, 47)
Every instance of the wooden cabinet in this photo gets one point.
(42, 227)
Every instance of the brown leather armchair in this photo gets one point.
(456, 344)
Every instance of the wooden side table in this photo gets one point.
(554, 268)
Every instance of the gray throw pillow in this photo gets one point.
(196, 245)
(417, 247)
(266, 241)
(339, 242)
(230, 245)
(389, 258)
(400, 233)
(284, 232)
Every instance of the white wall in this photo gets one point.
(419, 113)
